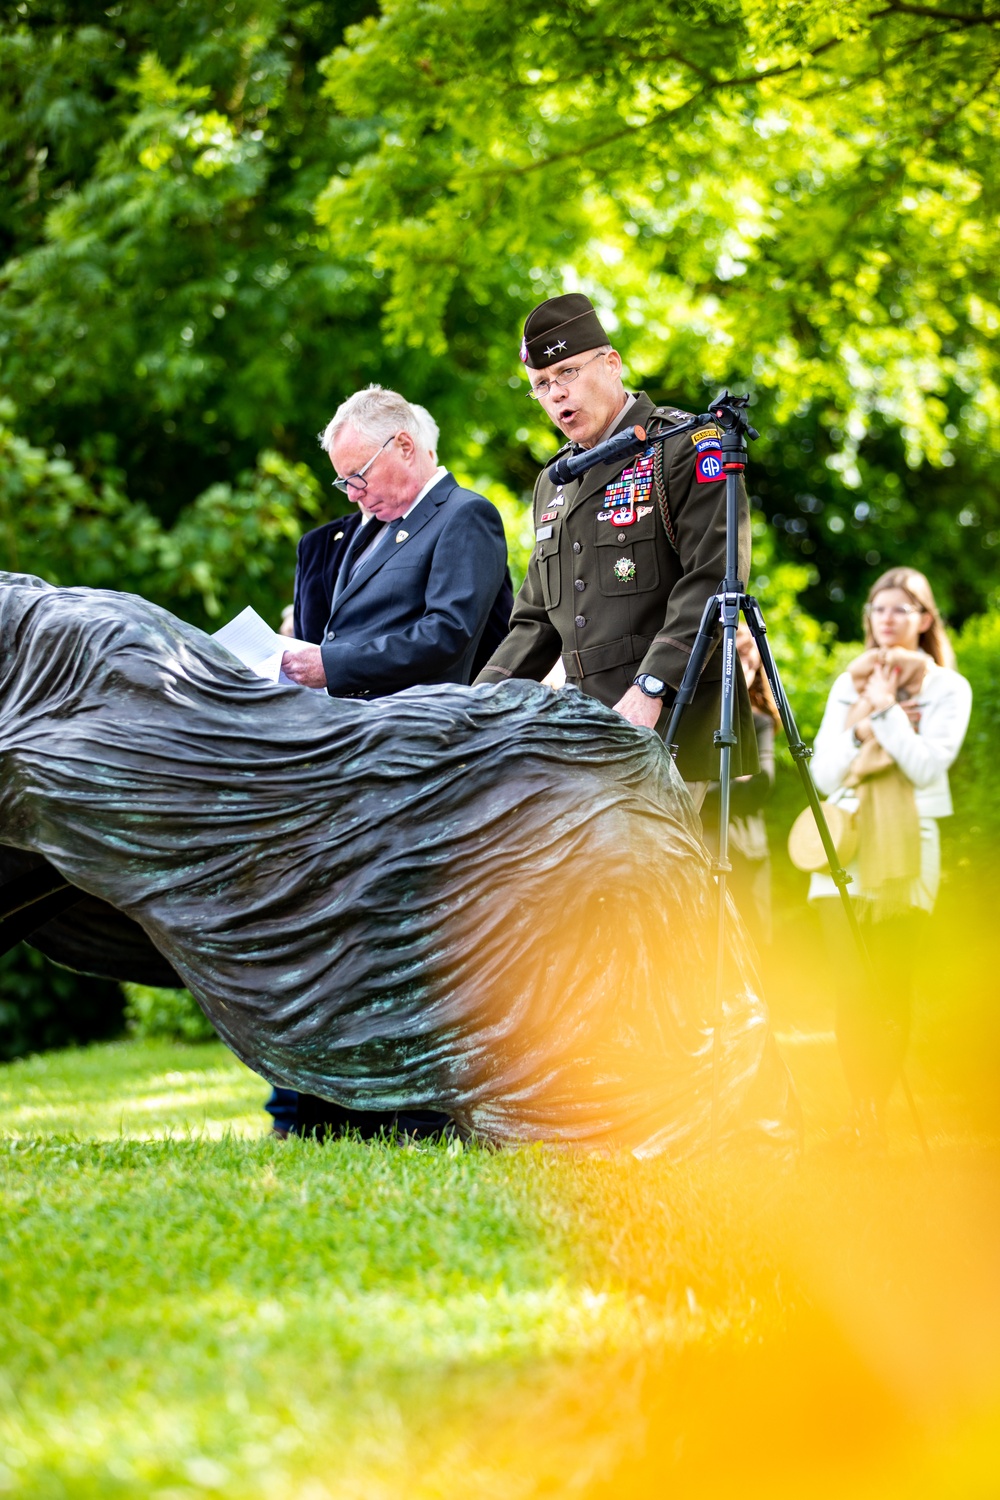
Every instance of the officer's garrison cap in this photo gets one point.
(559, 328)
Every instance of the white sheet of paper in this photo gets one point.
(256, 645)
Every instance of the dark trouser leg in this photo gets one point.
(282, 1107)
(321, 1119)
(873, 1019)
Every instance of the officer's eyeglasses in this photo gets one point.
(358, 481)
(565, 377)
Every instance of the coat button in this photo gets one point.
(580, 621)
(577, 546)
(331, 635)
(579, 585)
(621, 536)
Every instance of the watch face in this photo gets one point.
(651, 685)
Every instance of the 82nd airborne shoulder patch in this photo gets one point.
(709, 467)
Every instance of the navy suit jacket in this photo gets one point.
(319, 557)
(415, 609)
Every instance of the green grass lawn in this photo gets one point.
(188, 1308)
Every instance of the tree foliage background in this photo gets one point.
(217, 220)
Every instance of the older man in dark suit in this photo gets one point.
(322, 551)
(411, 590)
(419, 578)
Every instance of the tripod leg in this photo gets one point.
(726, 741)
(724, 605)
(703, 643)
(801, 754)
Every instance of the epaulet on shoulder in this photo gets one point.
(671, 414)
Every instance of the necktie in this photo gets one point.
(362, 541)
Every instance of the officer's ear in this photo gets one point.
(613, 363)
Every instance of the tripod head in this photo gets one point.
(731, 414)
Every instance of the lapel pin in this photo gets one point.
(401, 536)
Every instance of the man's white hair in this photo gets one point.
(378, 414)
(429, 429)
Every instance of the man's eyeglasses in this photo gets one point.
(358, 481)
(565, 377)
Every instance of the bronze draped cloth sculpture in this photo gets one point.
(489, 901)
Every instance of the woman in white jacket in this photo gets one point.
(894, 723)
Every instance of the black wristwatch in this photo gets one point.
(653, 687)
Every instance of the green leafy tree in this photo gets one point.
(793, 195)
(169, 305)
(217, 221)
(235, 545)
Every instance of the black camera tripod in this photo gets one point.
(725, 608)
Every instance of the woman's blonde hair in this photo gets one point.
(934, 640)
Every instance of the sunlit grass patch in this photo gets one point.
(189, 1308)
(142, 1090)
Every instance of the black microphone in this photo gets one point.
(623, 445)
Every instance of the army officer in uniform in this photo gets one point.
(623, 564)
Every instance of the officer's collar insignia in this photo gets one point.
(401, 536)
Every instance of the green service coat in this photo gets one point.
(615, 601)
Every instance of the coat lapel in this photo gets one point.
(408, 525)
(361, 539)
